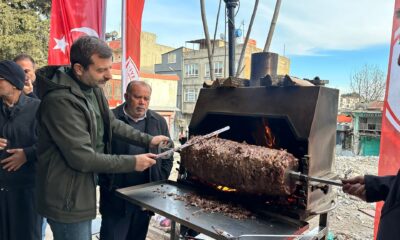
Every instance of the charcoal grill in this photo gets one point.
(302, 121)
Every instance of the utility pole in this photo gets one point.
(230, 6)
(208, 42)
(272, 26)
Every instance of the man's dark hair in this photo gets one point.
(24, 56)
(85, 47)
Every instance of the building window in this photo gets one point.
(171, 58)
(218, 69)
(190, 95)
(192, 70)
(363, 120)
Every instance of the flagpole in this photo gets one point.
(104, 21)
(123, 45)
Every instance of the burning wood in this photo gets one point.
(246, 168)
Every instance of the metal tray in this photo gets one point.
(154, 197)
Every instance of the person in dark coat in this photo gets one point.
(18, 217)
(76, 127)
(27, 63)
(120, 219)
(379, 188)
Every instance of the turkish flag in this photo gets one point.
(71, 19)
(389, 161)
(132, 27)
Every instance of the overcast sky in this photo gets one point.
(329, 39)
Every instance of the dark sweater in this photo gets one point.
(385, 188)
(19, 126)
(153, 124)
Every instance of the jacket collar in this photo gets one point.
(22, 101)
(119, 112)
(59, 78)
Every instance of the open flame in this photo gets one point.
(269, 138)
(226, 189)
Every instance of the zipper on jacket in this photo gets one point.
(68, 202)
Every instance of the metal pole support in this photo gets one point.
(230, 6)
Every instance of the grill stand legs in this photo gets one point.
(173, 234)
(323, 225)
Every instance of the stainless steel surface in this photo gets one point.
(190, 143)
(159, 197)
(300, 176)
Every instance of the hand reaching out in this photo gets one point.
(157, 140)
(28, 87)
(355, 186)
(144, 161)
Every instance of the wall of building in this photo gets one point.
(369, 146)
(113, 89)
(172, 64)
(163, 98)
(283, 66)
(192, 84)
(151, 51)
(164, 91)
(348, 102)
(366, 126)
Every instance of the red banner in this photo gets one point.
(71, 19)
(389, 162)
(132, 26)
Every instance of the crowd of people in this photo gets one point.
(59, 140)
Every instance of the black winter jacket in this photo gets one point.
(19, 127)
(386, 189)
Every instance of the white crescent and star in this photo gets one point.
(88, 31)
(62, 44)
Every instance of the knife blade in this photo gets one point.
(190, 143)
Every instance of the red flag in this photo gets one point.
(132, 26)
(71, 19)
(389, 162)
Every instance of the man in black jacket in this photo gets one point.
(18, 135)
(379, 188)
(120, 219)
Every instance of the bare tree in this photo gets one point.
(369, 82)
